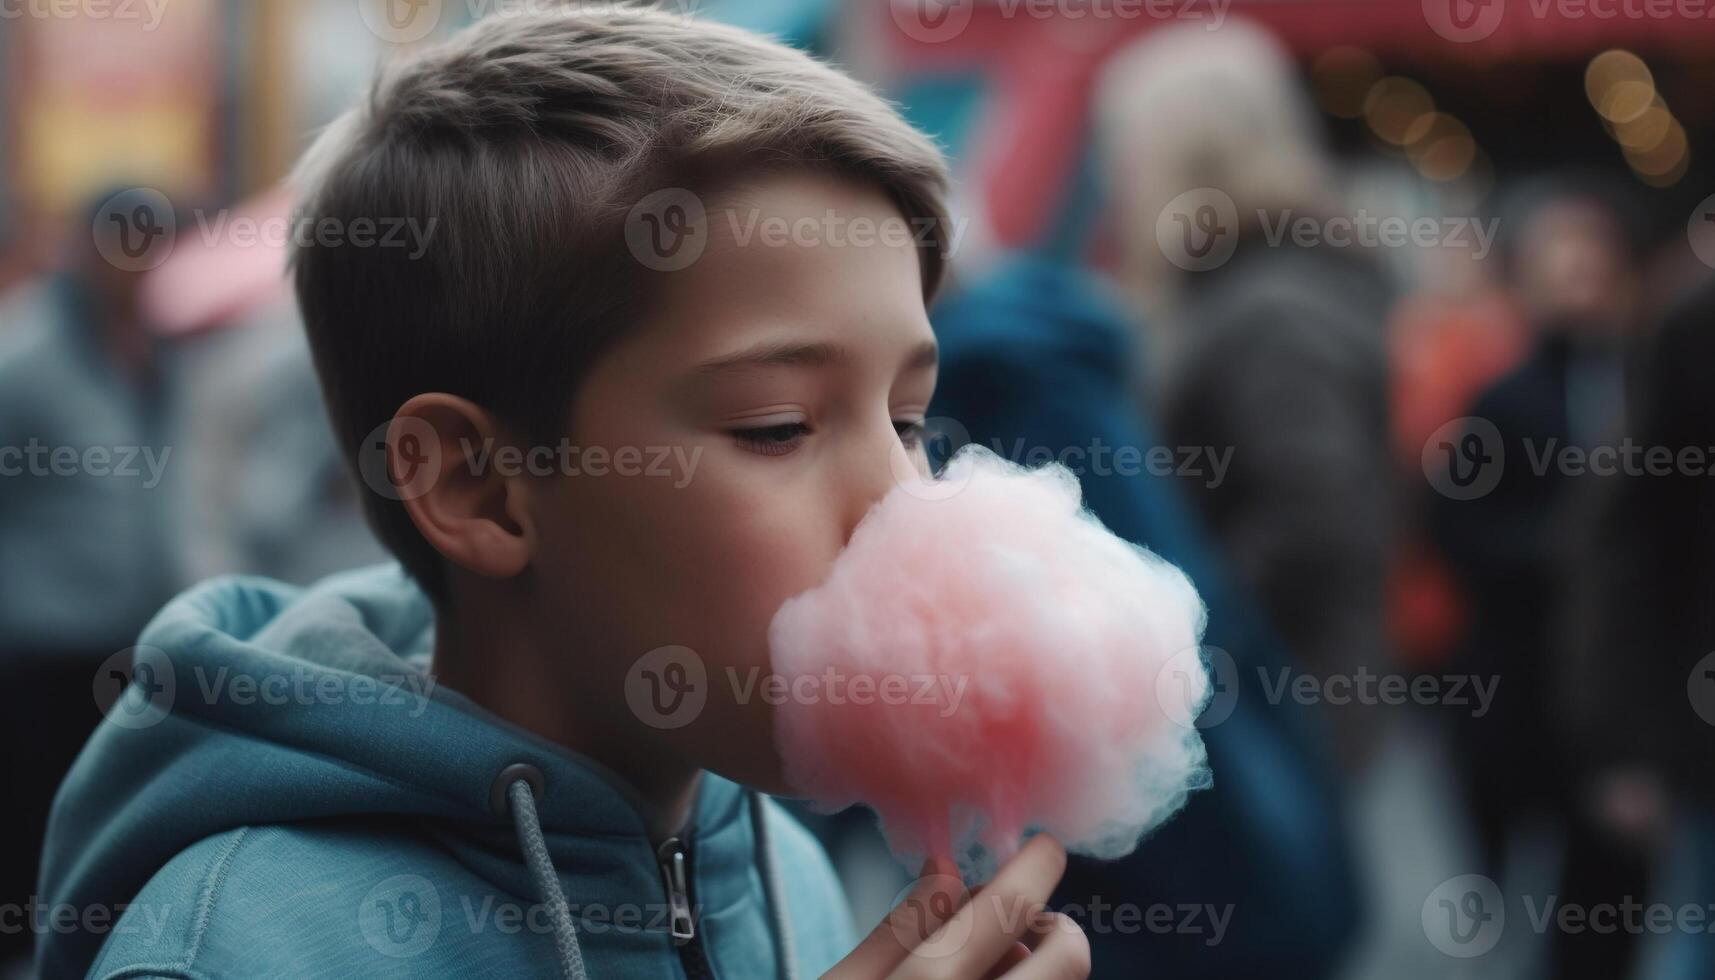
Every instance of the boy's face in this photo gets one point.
(784, 381)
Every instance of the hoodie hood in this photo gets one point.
(257, 704)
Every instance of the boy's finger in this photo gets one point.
(927, 905)
(1040, 925)
(1011, 958)
(986, 928)
(1062, 953)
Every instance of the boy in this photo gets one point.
(290, 785)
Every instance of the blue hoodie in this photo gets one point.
(281, 791)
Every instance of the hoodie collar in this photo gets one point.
(272, 704)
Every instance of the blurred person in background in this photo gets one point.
(1277, 353)
(233, 469)
(83, 550)
(85, 547)
(1449, 339)
(1644, 632)
(1037, 357)
(1571, 269)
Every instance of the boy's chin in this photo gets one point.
(761, 771)
(774, 784)
(737, 742)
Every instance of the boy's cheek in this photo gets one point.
(704, 561)
(704, 567)
(746, 568)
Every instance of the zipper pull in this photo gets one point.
(671, 855)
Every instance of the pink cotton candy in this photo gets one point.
(986, 659)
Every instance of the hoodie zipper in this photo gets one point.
(674, 856)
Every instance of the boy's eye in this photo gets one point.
(772, 440)
(910, 431)
(777, 440)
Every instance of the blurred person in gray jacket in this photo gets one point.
(85, 463)
(86, 538)
(1266, 349)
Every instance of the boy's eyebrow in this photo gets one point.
(788, 353)
(773, 354)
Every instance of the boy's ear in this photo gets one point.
(441, 453)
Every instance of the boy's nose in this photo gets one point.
(875, 469)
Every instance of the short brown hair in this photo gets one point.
(523, 143)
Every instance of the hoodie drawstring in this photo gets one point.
(521, 782)
(771, 888)
(535, 848)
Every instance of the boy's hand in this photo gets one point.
(1002, 930)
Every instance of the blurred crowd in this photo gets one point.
(1410, 336)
